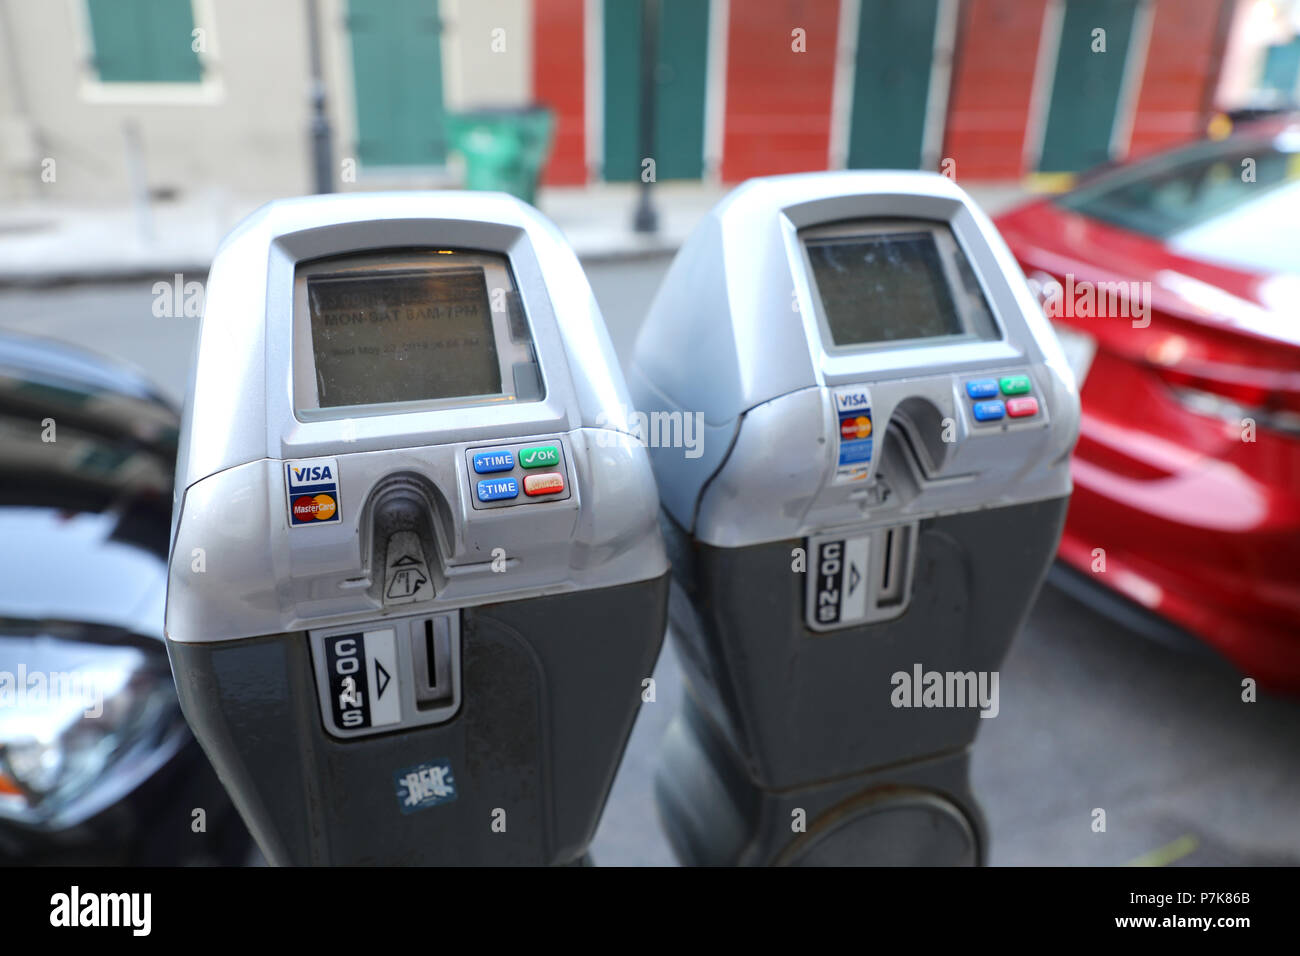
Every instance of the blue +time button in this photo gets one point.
(498, 459)
(498, 489)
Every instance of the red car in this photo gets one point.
(1174, 283)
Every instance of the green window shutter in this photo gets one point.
(891, 83)
(144, 41)
(679, 89)
(1086, 90)
(397, 73)
(1281, 67)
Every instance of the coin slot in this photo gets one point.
(895, 554)
(887, 564)
(431, 656)
(431, 662)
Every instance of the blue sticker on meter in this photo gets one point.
(425, 785)
(313, 486)
(853, 414)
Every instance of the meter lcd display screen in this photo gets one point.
(384, 337)
(884, 287)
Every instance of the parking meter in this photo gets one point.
(886, 422)
(416, 576)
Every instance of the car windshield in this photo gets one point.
(1194, 190)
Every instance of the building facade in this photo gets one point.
(100, 97)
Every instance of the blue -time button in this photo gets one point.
(498, 489)
(982, 388)
(486, 462)
(988, 411)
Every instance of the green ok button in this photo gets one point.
(541, 456)
(1013, 384)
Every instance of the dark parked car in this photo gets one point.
(96, 762)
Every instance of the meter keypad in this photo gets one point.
(518, 473)
(996, 398)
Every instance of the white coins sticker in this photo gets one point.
(839, 594)
(362, 672)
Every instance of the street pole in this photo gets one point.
(322, 161)
(647, 219)
(138, 179)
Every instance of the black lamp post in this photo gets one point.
(647, 218)
(322, 161)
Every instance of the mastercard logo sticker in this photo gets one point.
(314, 507)
(855, 427)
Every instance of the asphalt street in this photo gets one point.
(1091, 716)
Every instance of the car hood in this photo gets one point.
(1058, 241)
(87, 452)
(69, 566)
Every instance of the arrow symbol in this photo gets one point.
(382, 677)
(854, 577)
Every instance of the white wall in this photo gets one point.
(245, 129)
(476, 74)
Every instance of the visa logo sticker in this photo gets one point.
(425, 785)
(313, 488)
(852, 400)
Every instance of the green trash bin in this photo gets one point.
(504, 149)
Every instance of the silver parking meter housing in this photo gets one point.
(416, 575)
(887, 420)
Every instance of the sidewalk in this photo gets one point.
(49, 243)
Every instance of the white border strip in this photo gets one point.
(846, 57)
(451, 36)
(1130, 91)
(593, 83)
(936, 101)
(715, 90)
(1040, 97)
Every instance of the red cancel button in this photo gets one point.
(1021, 407)
(548, 484)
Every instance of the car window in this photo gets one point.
(1175, 192)
(1260, 236)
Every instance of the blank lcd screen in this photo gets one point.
(883, 288)
(384, 337)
